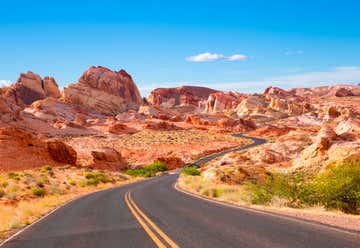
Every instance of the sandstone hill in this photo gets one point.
(102, 121)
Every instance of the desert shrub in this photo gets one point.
(212, 192)
(4, 184)
(149, 170)
(2, 193)
(191, 171)
(139, 173)
(95, 177)
(258, 194)
(82, 183)
(47, 168)
(92, 181)
(37, 191)
(14, 176)
(156, 166)
(72, 182)
(55, 189)
(338, 187)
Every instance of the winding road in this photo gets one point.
(152, 213)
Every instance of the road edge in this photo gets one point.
(264, 212)
(57, 208)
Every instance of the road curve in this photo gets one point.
(108, 219)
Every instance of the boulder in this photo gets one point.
(343, 92)
(108, 158)
(119, 128)
(62, 152)
(105, 91)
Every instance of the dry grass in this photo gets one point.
(20, 207)
(223, 192)
(236, 194)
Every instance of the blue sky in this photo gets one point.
(283, 43)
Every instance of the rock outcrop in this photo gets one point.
(31, 87)
(109, 159)
(105, 91)
(223, 101)
(62, 152)
(179, 96)
(21, 150)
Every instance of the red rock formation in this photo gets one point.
(222, 101)
(271, 131)
(278, 92)
(62, 152)
(172, 162)
(119, 128)
(163, 125)
(196, 120)
(343, 92)
(105, 91)
(30, 87)
(184, 95)
(21, 150)
(109, 159)
(236, 125)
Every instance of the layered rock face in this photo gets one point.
(223, 101)
(179, 96)
(105, 91)
(29, 87)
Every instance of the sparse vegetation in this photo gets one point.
(338, 187)
(37, 191)
(149, 170)
(28, 195)
(191, 171)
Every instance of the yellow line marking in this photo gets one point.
(152, 224)
(143, 224)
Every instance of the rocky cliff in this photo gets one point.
(105, 91)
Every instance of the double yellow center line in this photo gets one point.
(150, 228)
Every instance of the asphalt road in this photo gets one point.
(107, 219)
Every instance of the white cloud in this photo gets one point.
(210, 57)
(205, 57)
(239, 57)
(4, 83)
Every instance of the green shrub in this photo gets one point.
(94, 177)
(339, 187)
(38, 191)
(82, 183)
(191, 171)
(92, 181)
(149, 170)
(156, 166)
(258, 194)
(72, 182)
